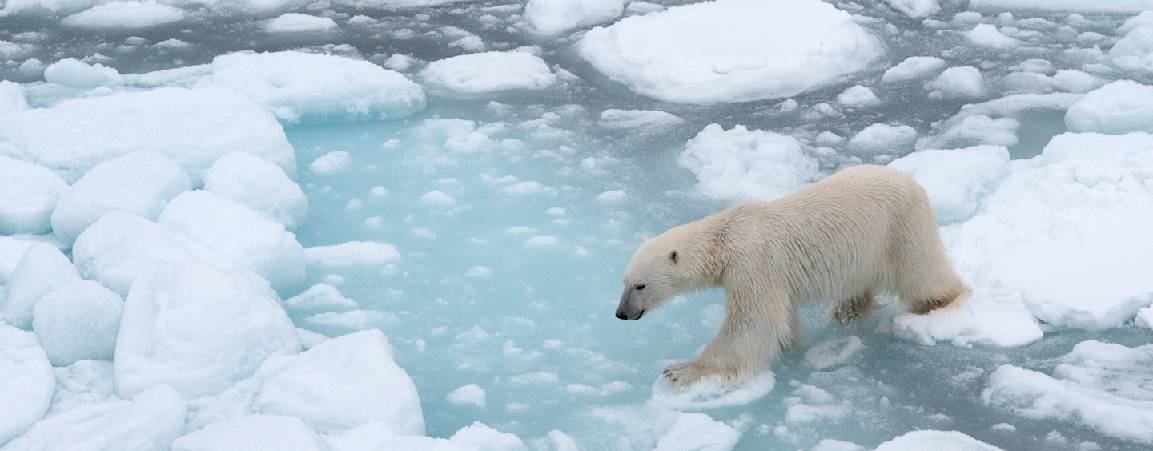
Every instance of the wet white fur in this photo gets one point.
(864, 230)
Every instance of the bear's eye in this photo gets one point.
(673, 256)
(639, 286)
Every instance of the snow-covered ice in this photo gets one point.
(557, 16)
(913, 68)
(76, 73)
(149, 421)
(78, 321)
(934, 439)
(125, 14)
(741, 163)
(257, 432)
(956, 180)
(1116, 108)
(1062, 5)
(259, 184)
(916, 8)
(42, 268)
(478, 73)
(30, 194)
(28, 382)
(296, 23)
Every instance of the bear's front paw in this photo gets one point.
(685, 374)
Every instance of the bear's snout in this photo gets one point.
(626, 309)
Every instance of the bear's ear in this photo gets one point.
(673, 257)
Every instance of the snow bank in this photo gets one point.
(914, 68)
(1119, 107)
(121, 247)
(956, 180)
(78, 321)
(296, 23)
(1134, 52)
(194, 127)
(232, 229)
(30, 193)
(732, 50)
(557, 16)
(125, 14)
(928, 439)
(343, 383)
(1118, 6)
(149, 422)
(253, 433)
(259, 184)
(42, 268)
(199, 329)
(917, 9)
(28, 382)
(1101, 386)
(78, 74)
(139, 183)
(489, 72)
(743, 163)
(306, 87)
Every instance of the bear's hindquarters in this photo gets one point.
(922, 275)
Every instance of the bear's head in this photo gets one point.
(680, 260)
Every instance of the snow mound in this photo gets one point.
(917, 9)
(743, 163)
(139, 183)
(306, 87)
(193, 127)
(1102, 386)
(927, 439)
(42, 268)
(1116, 108)
(956, 180)
(198, 329)
(77, 74)
(914, 68)
(732, 50)
(253, 433)
(121, 247)
(296, 23)
(149, 422)
(125, 14)
(232, 229)
(30, 193)
(28, 382)
(709, 394)
(1134, 52)
(259, 184)
(78, 321)
(343, 383)
(1117, 6)
(558, 16)
(477, 73)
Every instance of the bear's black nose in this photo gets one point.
(621, 315)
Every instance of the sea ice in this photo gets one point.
(956, 180)
(986, 35)
(557, 16)
(138, 183)
(42, 268)
(77, 74)
(28, 382)
(321, 297)
(963, 82)
(883, 139)
(296, 23)
(252, 433)
(1062, 5)
(638, 120)
(78, 321)
(125, 14)
(927, 439)
(858, 97)
(916, 9)
(743, 163)
(149, 422)
(1116, 108)
(914, 68)
(30, 193)
(1134, 52)
(467, 395)
(259, 184)
(732, 50)
(11, 95)
(350, 254)
(477, 73)
(481, 437)
(198, 329)
(711, 394)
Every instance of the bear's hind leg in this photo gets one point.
(855, 308)
(927, 305)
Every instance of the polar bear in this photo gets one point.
(862, 231)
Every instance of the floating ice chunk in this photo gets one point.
(74, 73)
(320, 297)
(121, 247)
(352, 253)
(1134, 52)
(1145, 318)
(740, 163)
(927, 439)
(986, 35)
(149, 422)
(637, 119)
(296, 23)
(438, 199)
(710, 394)
(377, 436)
(731, 50)
(963, 82)
(467, 395)
(42, 268)
(28, 382)
(882, 138)
(914, 68)
(974, 130)
(30, 193)
(125, 14)
(306, 87)
(78, 321)
(330, 163)
(917, 9)
(343, 383)
(697, 431)
(835, 352)
(352, 320)
(140, 183)
(397, 3)
(557, 16)
(199, 329)
(1102, 386)
(1116, 108)
(259, 184)
(194, 127)
(858, 97)
(1145, 19)
(956, 180)
(253, 433)
(11, 96)
(837, 445)
(1071, 80)
(484, 438)
(489, 72)
(1053, 231)
(38, 7)
(232, 229)
(611, 196)
(1118, 6)
(986, 317)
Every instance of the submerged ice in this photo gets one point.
(399, 224)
